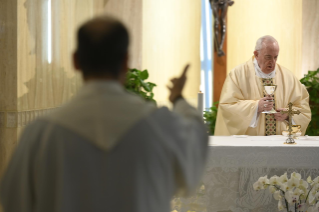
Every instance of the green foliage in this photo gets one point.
(311, 81)
(136, 84)
(210, 117)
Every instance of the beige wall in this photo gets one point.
(248, 20)
(171, 35)
(310, 35)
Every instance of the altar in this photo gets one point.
(236, 162)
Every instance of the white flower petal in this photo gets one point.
(309, 179)
(277, 195)
(296, 175)
(272, 189)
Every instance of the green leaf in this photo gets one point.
(144, 75)
(311, 81)
(210, 115)
(135, 83)
(145, 85)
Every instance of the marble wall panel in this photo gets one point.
(44, 82)
(310, 35)
(8, 55)
(8, 78)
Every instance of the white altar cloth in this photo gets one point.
(263, 151)
(235, 163)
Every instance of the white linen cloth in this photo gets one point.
(234, 164)
(106, 150)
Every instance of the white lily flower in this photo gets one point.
(293, 182)
(272, 189)
(303, 196)
(289, 196)
(303, 188)
(316, 180)
(258, 186)
(280, 206)
(314, 208)
(302, 207)
(303, 184)
(309, 179)
(264, 180)
(283, 178)
(311, 209)
(285, 187)
(274, 180)
(297, 192)
(277, 195)
(295, 175)
(311, 198)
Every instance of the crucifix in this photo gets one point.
(219, 8)
(290, 113)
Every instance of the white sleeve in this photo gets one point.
(17, 186)
(255, 119)
(185, 110)
(192, 151)
(292, 121)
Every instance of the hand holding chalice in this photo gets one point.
(270, 89)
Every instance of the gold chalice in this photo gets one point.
(296, 130)
(270, 89)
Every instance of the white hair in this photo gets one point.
(264, 39)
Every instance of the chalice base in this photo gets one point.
(290, 141)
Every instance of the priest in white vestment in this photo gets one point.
(242, 99)
(107, 149)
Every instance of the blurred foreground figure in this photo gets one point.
(107, 150)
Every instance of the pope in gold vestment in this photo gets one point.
(241, 93)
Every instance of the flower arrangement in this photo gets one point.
(294, 194)
(193, 204)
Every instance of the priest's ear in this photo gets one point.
(76, 63)
(124, 69)
(256, 53)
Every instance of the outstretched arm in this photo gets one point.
(191, 157)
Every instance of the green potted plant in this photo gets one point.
(135, 83)
(210, 117)
(311, 81)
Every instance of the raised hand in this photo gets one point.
(178, 85)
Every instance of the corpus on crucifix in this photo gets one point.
(219, 8)
(290, 113)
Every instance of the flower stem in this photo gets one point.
(309, 193)
(286, 204)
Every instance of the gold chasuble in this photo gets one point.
(241, 93)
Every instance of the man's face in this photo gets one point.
(267, 57)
